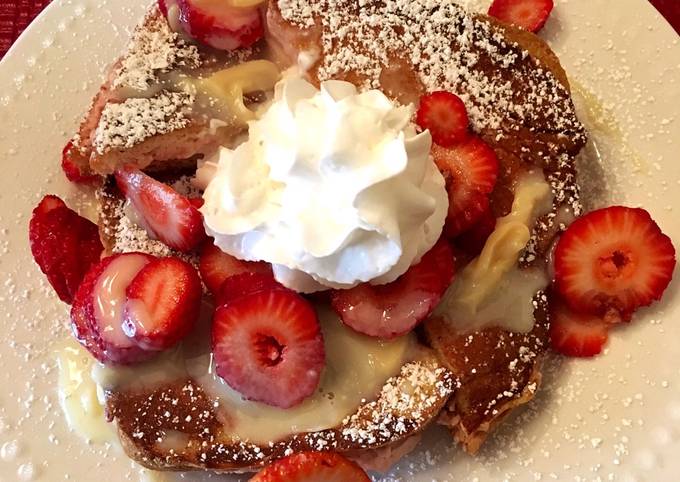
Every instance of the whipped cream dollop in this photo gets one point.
(333, 187)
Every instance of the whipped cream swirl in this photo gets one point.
(333, 187)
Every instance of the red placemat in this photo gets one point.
(15, 15)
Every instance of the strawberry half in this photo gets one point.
(388, 311)
(216, 266)
(471, 171)
(165, 214)
(445, 116)
(243, 284)
(216, 23)
(97, 311)
(64, 245)
(530, 15)
(162, 303)
(575, 334)
(268, 346)
(312, 467)
(76, 165)
(612, 261)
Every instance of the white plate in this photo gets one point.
(613, 418)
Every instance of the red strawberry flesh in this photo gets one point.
(165, 214)
(64, 245)
(196, 202)
(243, 284)
(445, 116)
(391, 310)
(163, 303)
(268, 346)
(216, 266)
(216, 23)
(613, 261)
(471, 171)
(163, 7)
(575, 334)
(312, 467)
(76, 165)
(48, 203)
(530, 15)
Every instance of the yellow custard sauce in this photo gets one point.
(356, 369)
(78, 394)
(492, 290)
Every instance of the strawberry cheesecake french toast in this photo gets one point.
(324, 225)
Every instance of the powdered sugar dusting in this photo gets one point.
(405, 405)
(399, 404)
(153, 50)
(124, 125)
(451, 50)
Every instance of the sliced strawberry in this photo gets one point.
(612, 261)
(268, 346)
(530, 15)
(473, 240)
(166, 215)
(64, 245)
(216, 266)
(196, 202)
(216, 23)
(445, 116)
(82, 313)
(388, 311)
(76, 165)
(47, 204)
(470, 170)
(97, 311)
(163, 303)
(243, 284)
(163, 6)
(575, 334)
(312, 467)
(36, 230)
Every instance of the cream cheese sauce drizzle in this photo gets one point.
(356, 369)
(492, 290)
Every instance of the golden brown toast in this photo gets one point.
(497, 371)
(181, 412)
(519, 102)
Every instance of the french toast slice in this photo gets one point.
(142, 115)
(176, 425)
(520, 105)
(519, 102)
